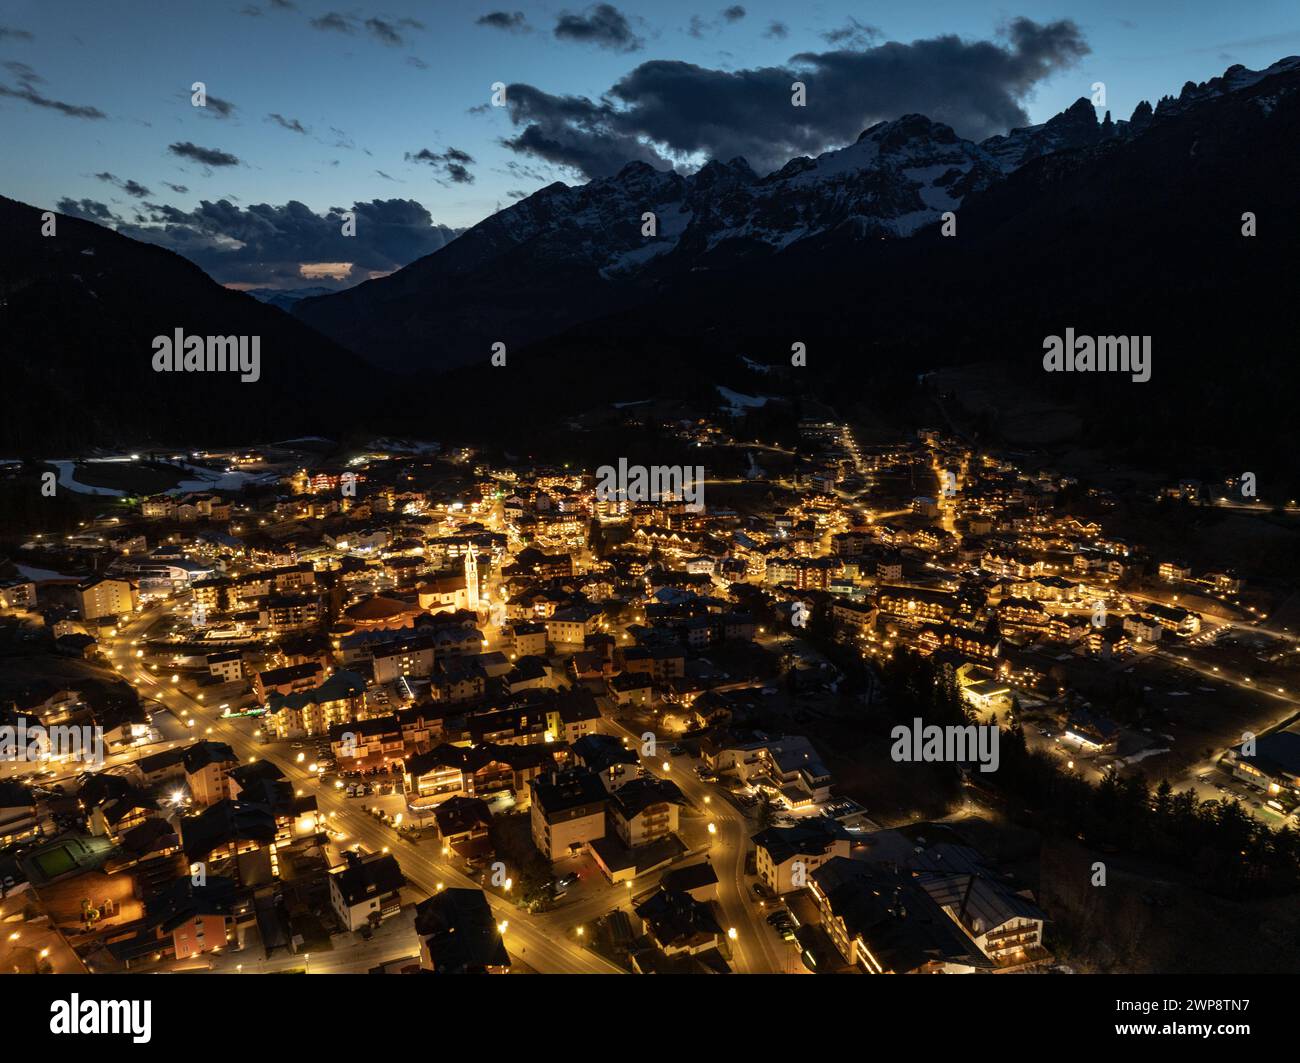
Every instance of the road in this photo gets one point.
(754, 948)
(526, 934)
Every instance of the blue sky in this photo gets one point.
(366, 104)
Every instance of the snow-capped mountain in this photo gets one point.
(554, 258)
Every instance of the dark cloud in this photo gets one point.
(10, 33)
(853, 33)
(332, 22)
(603, 25)
(181, 189)
(217, 107)
(515, 193)
(778, 31)
(453, 163)
(284, 5)
(291, 124)
(417, 62)
(266, 244)
(88, 209)
(25, 74)
(27, 92)
(699, 25)
(666, 112)
(131, 188)
(510, 21)
(389, 177)
(384, 31)
(207, 156)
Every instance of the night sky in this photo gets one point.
(386, 108)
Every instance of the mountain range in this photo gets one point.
(1130, 227)
(567, 255)
(79, 311)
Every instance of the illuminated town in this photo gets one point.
(414, 708)
(605, 488)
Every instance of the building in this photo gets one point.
(698, 880)
(645, 810)
(607, 756)
(106, 597)
(288, 680)
(1005, 923)
(885, 923)
(338, 700)
(679, 923)
(226, 667)
(196, 917)
(571, 625)
(786, 857)
(366, 890)
(1092, 732)
(788, 766)
(568, 811)
(458, 934)
(17, 593)
(1273, 765)
(207, 771)
(528, 639)
(462, 820)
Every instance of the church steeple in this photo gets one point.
(471, 578)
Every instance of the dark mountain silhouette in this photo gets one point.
(565, 256)
(1127, 228)
(1140, 235)
(78, 314)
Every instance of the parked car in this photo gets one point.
(565, 881)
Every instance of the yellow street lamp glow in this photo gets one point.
(731, 933)
(713, 828)
(501, 926)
